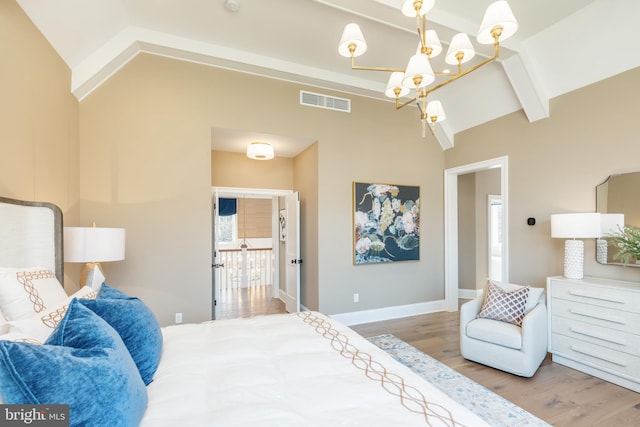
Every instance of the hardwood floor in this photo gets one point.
(248, 302)
(559, 395)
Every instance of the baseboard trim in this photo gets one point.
(387, 313)
(469, 293)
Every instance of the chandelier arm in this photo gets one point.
(365, 68)
(360, 67)
(421, 33)
(404, 104)
(467, 71)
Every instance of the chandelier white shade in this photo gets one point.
(352, 38)
(498, 14)
(395, 84)
(575, 226)
(435, 112)
(409, 10)
(497, 25)
(418, 73)
(432, 42)
(258, 150)
(460, 50)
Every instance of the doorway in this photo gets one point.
(494, 237)
(246, 270)
(451, 224)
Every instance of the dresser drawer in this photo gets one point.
(605, 337)
(602, 296)
(609, 318)
(621, 364)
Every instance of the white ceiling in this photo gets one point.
(560, 46)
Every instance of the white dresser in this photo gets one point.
(594, 327)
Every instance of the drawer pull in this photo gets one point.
(602, 337)
(598, 297)
(618, 362)
(597, 316)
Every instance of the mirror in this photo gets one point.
(617, 195)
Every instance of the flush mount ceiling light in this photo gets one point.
(497, 25)
(258, 150)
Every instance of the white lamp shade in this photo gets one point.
(497, 14)
(576, 225)
(395, 82)
(260, 151)
(611, 223)
(433, 41)
(435, 110)
(410, 11)
(460, 43)
(93, 244)
(418, 66)
(352, 35)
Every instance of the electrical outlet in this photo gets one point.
(178, 317)
(356, 297)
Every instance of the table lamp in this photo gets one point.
(575, 226)
(93, 245)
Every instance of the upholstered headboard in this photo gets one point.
(31, 235)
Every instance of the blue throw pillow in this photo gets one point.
(84, 364)
(135, 323)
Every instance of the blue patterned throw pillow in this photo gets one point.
(135, 323)
(84, 364)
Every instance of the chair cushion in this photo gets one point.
(495, 332)
(504, 306)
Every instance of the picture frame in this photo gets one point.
(386, 223)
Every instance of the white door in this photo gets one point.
(215, 259)
(291, 292)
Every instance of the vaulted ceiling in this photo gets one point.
(560, 46)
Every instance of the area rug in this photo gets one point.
(494, 409)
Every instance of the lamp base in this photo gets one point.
(602, 251)
(574, 259)
(92, 276)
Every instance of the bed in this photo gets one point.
(103, 354)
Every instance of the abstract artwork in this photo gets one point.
(386, 223)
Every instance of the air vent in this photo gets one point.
(323, 101)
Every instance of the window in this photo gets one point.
(227, 229)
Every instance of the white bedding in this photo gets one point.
(300, 369)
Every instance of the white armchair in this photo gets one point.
(515, 349)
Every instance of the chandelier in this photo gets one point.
(497, 25)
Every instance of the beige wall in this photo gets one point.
(39, 127)
(554, 167)
(237, 170)
(467, 231)
(146, 166)
(39, 132)
(305, 168)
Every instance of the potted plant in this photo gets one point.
(627, 241)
